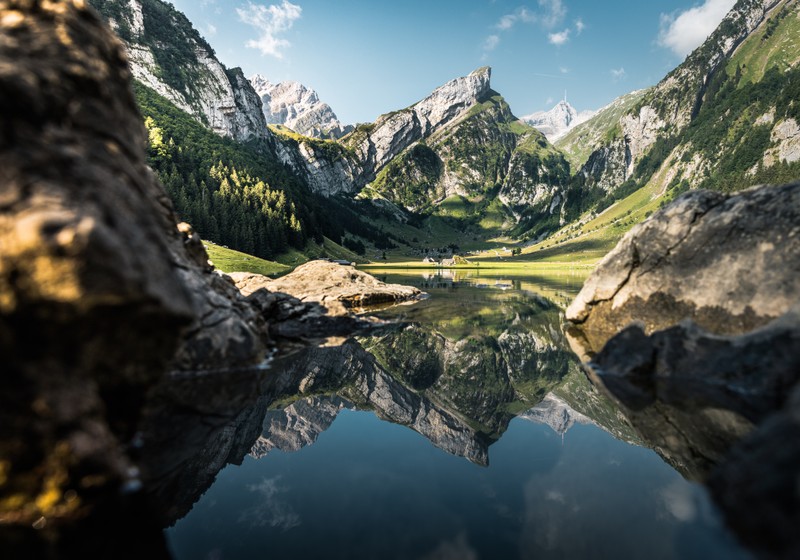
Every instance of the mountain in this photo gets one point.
(725, 119)
(586, 136)
(669, 127)
(559, 120)
(458, 162)
(297, 107)
(210, 145)
(169, 56)
(459, 151)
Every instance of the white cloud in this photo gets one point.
(679, 501)
(211, 30)
(506, 22)
(579, 26)
(269, 509)
(618, 74)
(685, 31)
(491, 43)
(548, 101)
(271, 21)
(559, 38)
(563, 70)
(552, 13)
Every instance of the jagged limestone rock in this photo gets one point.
(299, 108)
(187, 71)
(369, 148)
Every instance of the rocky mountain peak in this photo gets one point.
(297, 107)
(450, 99)
(559, 120)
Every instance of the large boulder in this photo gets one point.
(101, 291)
(337, 287)
(708, 372)
(730, 262)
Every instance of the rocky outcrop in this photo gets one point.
(714, 395)
(327, 172)
(93, 292)
(729, 262)
(786, 136)
(335, 286)
(169, 56)
(297, 107)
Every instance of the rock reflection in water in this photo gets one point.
(458, 370)
(457, 377)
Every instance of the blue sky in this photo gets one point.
(367, 57)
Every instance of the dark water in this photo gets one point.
(469, 433)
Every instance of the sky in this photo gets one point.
(368, 57)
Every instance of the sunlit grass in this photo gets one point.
(228, 260)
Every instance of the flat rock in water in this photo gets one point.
(337, 287)
(731, 263)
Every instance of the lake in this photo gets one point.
(469, 431)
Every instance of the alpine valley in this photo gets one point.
(269, 170)
(234, 325)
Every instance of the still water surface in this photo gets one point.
(470, 433)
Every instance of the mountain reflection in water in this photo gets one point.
(483, 362)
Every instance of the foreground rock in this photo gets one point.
(93, 298)
(729, 262)
(101, 291)
(337, 287)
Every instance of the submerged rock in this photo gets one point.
(721, 409)
(731, 263)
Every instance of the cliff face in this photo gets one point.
(348, 167)
(169, 56)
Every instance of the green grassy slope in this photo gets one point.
(228, 260)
